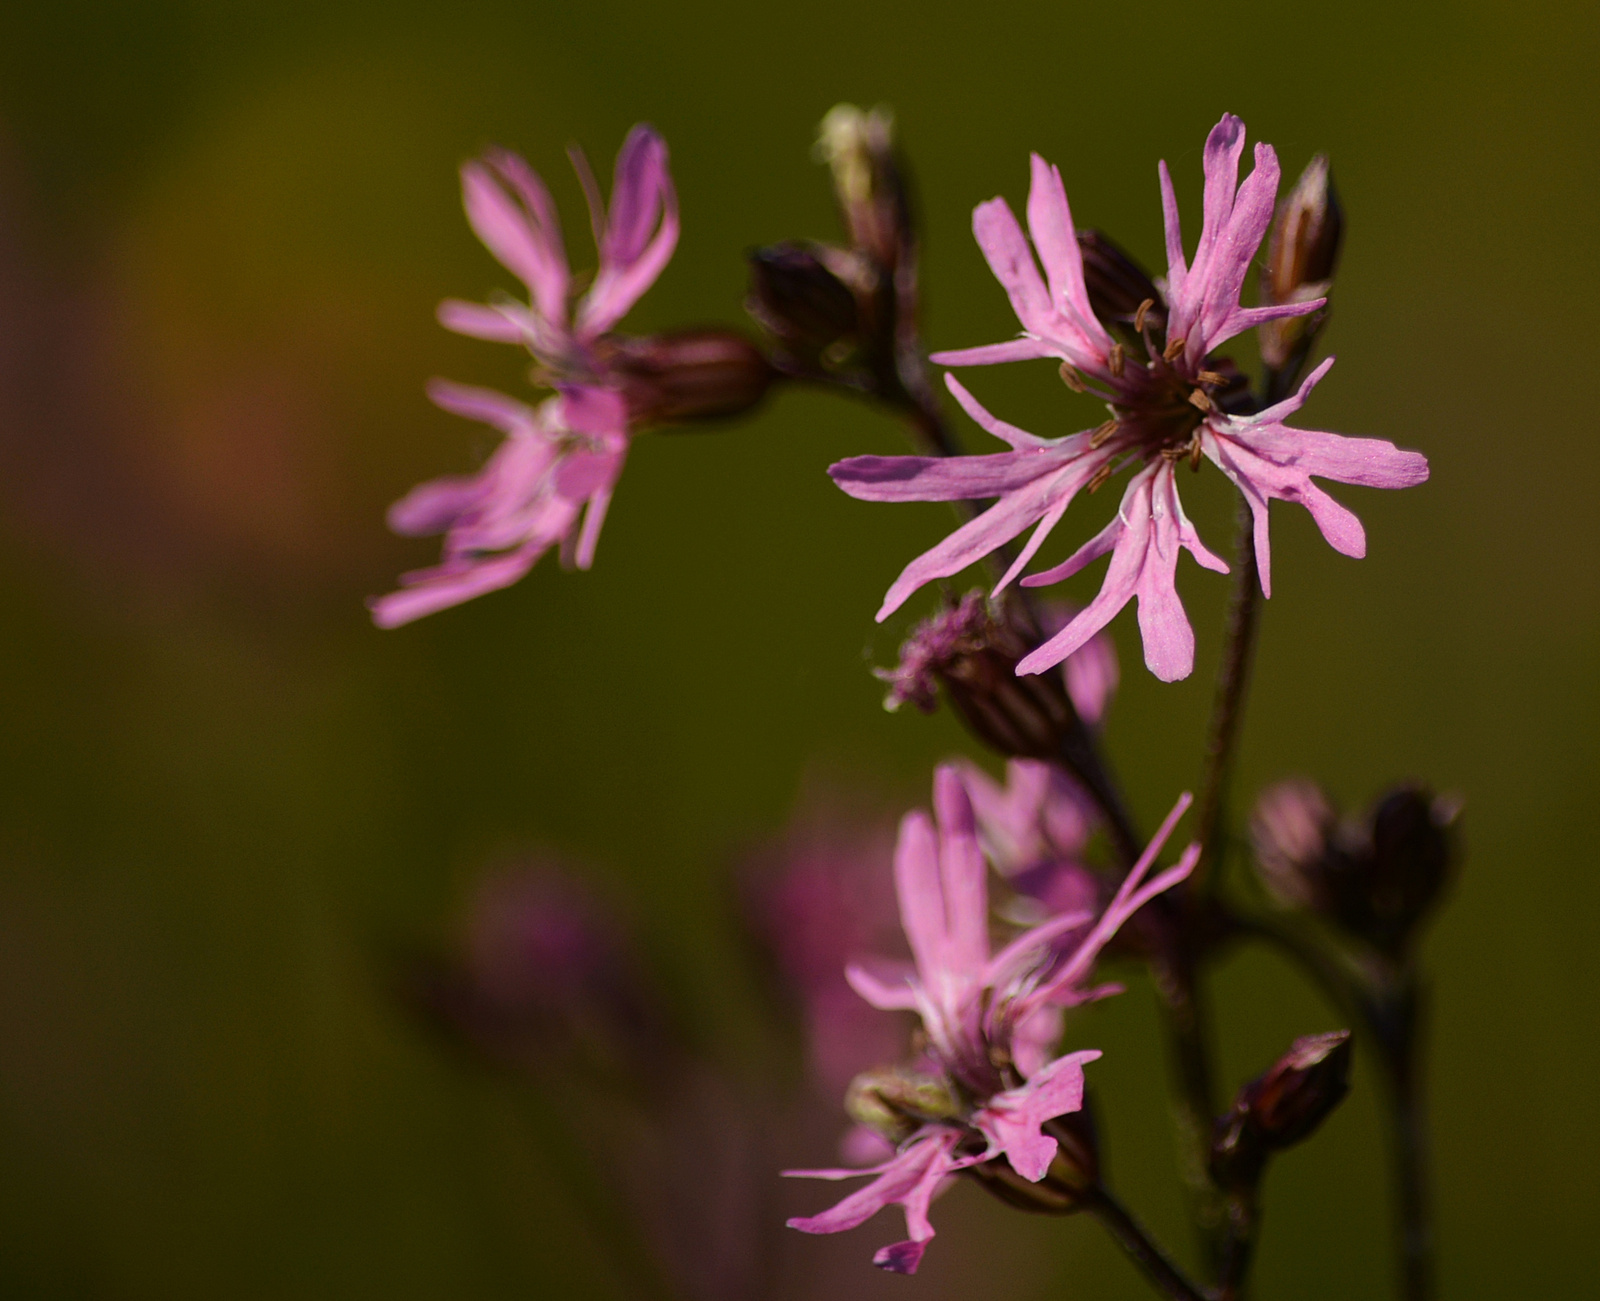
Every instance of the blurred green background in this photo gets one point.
(227, 800)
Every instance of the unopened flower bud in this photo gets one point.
(972, 652)
(1281, 1108)
(686, 374)
(799, 298)
(1302, 255)
(1412, 854)
(1119, 288)
(1376, 878)
(1289, 829)
(896, 1103)
(859, 148)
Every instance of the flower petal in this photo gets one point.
(976, 538)
(428, 591)
(1020, 439)
(523, 237)
(1011, 1120)
(1050, 224)
(641, 232)
(476, 321)
(1024, 349)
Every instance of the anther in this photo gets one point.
(1071, 378)
(1195, 451)
(1098, 438)
(1117, 359)
(1199, 398)
(1211, 377)
(1144, 311)
(1100, 476)
(1173, 348)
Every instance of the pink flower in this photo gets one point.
(547, 485)
(911, 1178)
(1041, 815)
(511, 211)
(974, 1006)
(1163, 411)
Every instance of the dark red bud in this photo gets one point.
(1377, 878)
(798, 299)
(687, 374)
(1281, 1108)
(1412, 855)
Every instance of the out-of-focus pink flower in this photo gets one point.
(820, 898)
(1039, 816)
(512, 213)
(547, 485)
(911, 1178)
(972, 1004)
(1163, 408)
(546, 980)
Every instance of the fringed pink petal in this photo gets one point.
(963, 879)
(990, 354)
(517, 236)
(1020, 439)
(974, 540)
(476, 321)
(428, 591)
(641, 232)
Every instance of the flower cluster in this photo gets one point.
(1165, 408)
(974, 1097)
(987, 1091)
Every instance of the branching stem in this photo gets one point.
(1130, 1235)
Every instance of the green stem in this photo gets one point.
(1397, 1026)
(1388, 1001)
(1130, 1235)
(1242, 1223)
(1227, 710)
(1133, 1239)
(1186, 1027)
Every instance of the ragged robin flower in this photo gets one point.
(1165, 402)
(549, 483)
(971, 1098)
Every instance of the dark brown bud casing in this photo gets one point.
(687, 374)
(799, 299)
(1302, 256)
(1281, 1108)
(1119, 288)
(1413, 855)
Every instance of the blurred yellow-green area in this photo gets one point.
(229, 803)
